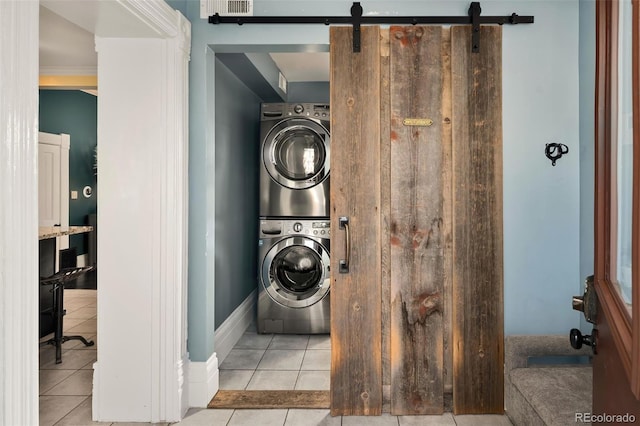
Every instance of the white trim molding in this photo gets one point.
(232, 329)
(204, 376)
(204, 379)
(157, 15)
(142, 245)
(152, 269)
(19, 23)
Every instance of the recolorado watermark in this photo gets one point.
(604, 418)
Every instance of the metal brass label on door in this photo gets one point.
(424, 122)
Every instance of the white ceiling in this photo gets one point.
(67, 49)
(303, 66)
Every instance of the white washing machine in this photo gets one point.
(294, 163)
(294, 279)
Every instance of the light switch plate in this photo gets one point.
(74, 195)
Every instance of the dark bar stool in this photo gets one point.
(57, 282)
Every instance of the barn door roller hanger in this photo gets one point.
(356, 20)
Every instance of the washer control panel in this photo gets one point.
(320, 111)
(313, 227)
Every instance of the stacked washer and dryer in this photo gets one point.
(293, 254)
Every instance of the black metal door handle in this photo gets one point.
(343, 265)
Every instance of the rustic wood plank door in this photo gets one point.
(417, 231)
(356, 355)
(416, 169)
(478, 325)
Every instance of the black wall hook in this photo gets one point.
(554, 151)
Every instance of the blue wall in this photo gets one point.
(236, 185)
(540, 105)
(308, 91)
(75, 113)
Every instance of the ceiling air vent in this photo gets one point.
(226, 8)
(282, 82)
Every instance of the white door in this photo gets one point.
(48, 184)
(53, 185)
(53, 179)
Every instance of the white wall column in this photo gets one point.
(19, 212)
(142, 247)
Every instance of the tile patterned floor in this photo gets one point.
(277, 362)
(256, 362)
(65, 389)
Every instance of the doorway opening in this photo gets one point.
(243, 78)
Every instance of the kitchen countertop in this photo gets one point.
(45, 232)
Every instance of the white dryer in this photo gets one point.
(294, 279)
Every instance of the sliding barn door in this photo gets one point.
(417, 179)
(356, 353)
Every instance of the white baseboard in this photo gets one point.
(203, 381)
(232, 329)
(204, 377)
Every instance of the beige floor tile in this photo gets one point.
(254, 341)
(54, 408)
(81, 313)
(71, 322)
(319, 341)
(445, 419)
(80, 292)
(384, 420)
(273, 380)
(482, 420)
(72, 304)
(205, 417)
(314, 380)
(80, 383)
(139, 424)
(81, 416)
(242, 359)
(71, 360)
(258, 417)
(281, 359)
(289, 341)
(50, 378)
(84, 327)
(46, 355)
(311, 418)
(317, 359)
(235, 379)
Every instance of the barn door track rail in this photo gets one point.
(356, 20)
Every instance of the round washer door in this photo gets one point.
(295, 272)
(296, 153)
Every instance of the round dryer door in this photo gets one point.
(296, 153)
(295, 272)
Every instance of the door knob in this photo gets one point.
(577, 339)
